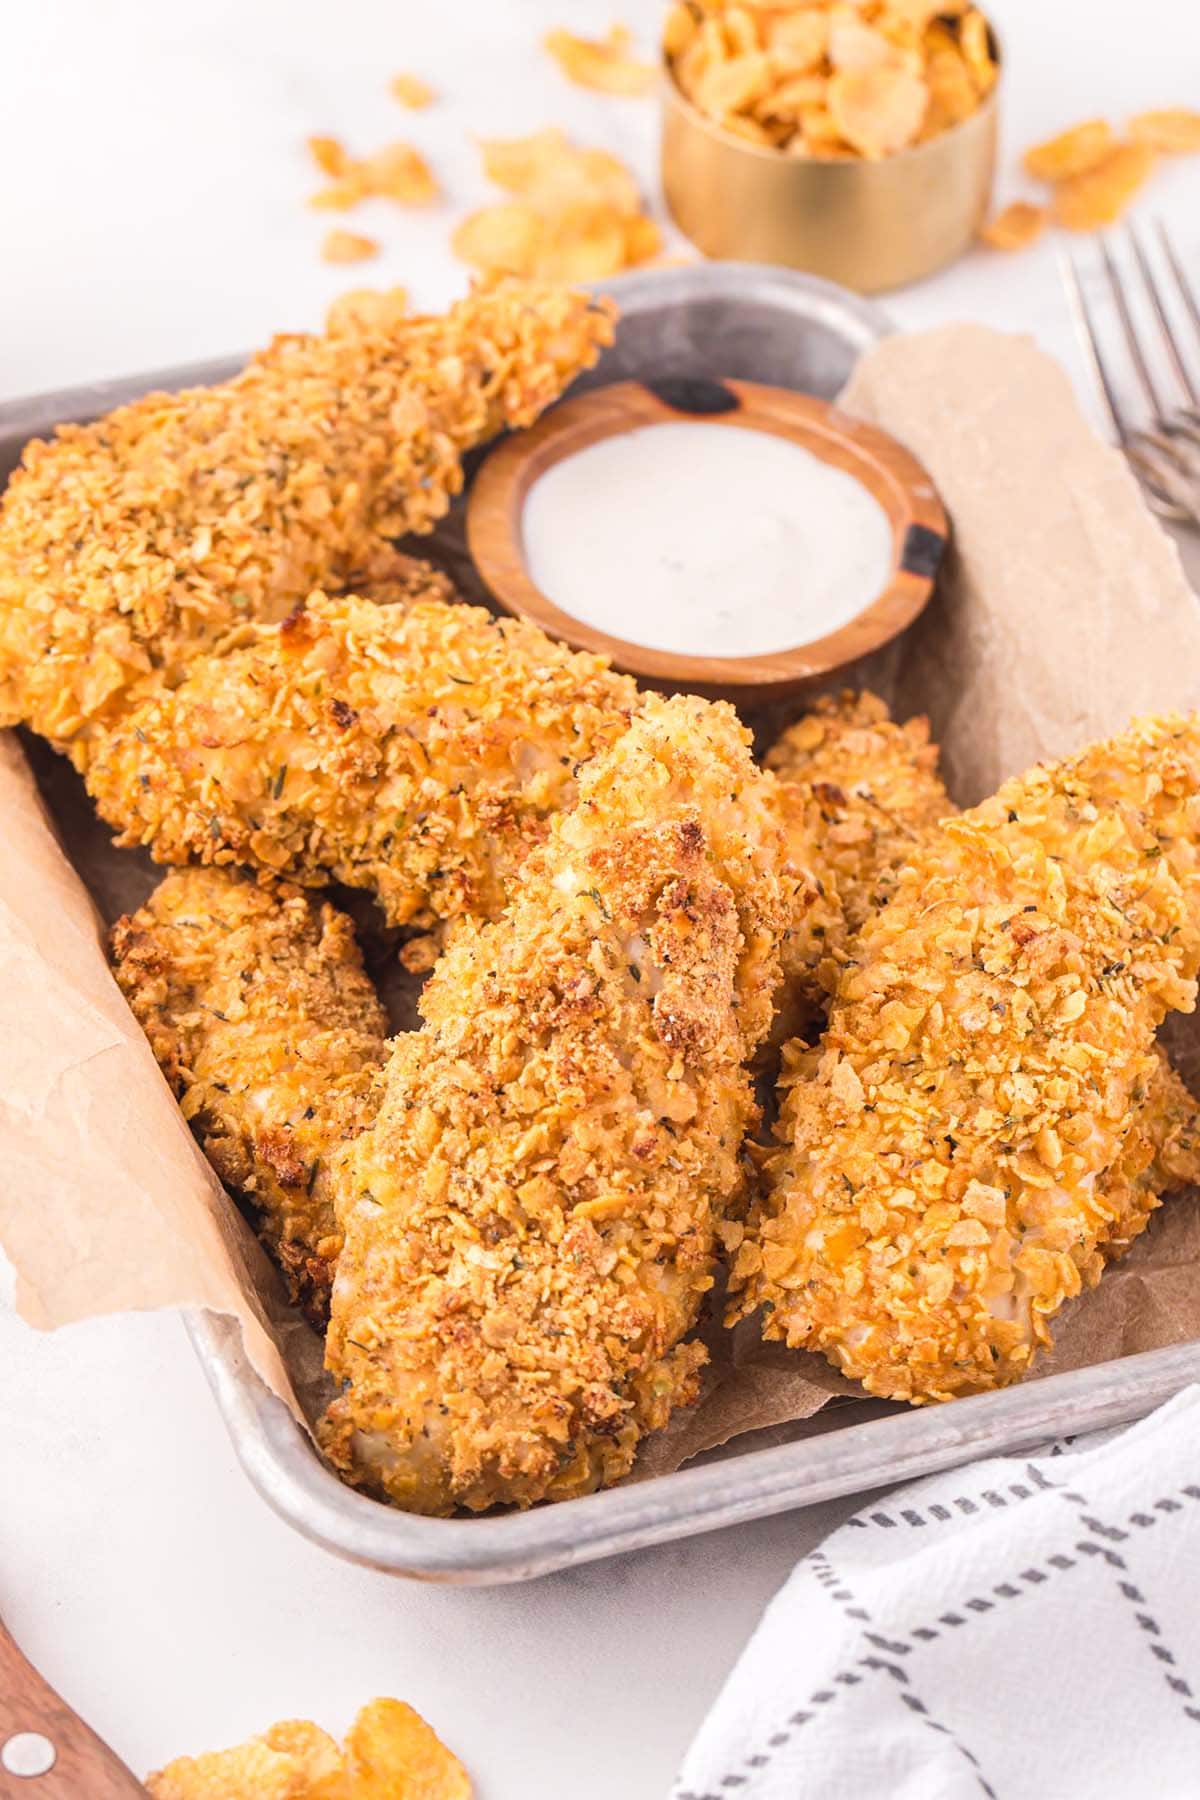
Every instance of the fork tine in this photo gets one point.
(1089, 342)
(1133, 342)
(1150, 283)
(1186, 292)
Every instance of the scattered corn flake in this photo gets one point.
(501, 240)
(314, 1751)
(1070, 152)
(366, 309)
(877, 111)
(576, 215)
(347, 247)
(643, 242)
(1173, 129)
(391, 1753)
(329, 155)
(1099, 194)
(411, 91)
(931, 64)
(603, 64)
(252, 1771)
(397, 172)
(1015, 226)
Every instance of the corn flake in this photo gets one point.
(330, 156)
(1174, 130)
(1099, 194)
(366, 310)
(1017, 225)
(877, 111)
(397, 172)
(1071, 152)
(390, 1752)
(888, 73)
(411, 91)
(975, 42)
(576, 215)
(603, 64)
(347, 247)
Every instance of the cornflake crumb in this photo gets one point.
(411, 91)
(347, 247)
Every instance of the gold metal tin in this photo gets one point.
(868, 225)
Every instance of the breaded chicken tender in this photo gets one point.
(262, 1018)
(417, 751)
(131, 545)
(530, 1226)
(971, 1143)
(861, 790)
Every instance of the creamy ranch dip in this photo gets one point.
(706, 540)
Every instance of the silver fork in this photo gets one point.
(1165, 453)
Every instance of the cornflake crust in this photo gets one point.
(970, 1142)
(417, 750)
(532, 1224)
(860, 791)
(821, 79)
(390, 1753)
(133, 547)
(261, 1016)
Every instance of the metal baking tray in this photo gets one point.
(758, 325)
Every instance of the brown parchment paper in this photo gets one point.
(1063, 611)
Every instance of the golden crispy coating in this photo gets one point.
(963, 1154)
(417, 751)
(132, 544)
(263, 1020)
(530, 1226)
(861, 791)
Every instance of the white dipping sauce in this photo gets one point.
(706, 540)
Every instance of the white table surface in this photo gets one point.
(152, 211)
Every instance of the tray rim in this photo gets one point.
(508, 1547)
(278, 1457)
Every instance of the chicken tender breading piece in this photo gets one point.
(263, 1020)
(861, 790)
(530, 1226)
(416, 751)
(133, 544)
(971, 1145)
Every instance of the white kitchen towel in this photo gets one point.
(1024, 1629)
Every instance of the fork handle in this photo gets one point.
(83, 1763)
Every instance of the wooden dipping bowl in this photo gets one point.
(897, 481)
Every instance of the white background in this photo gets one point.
(151, 211)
